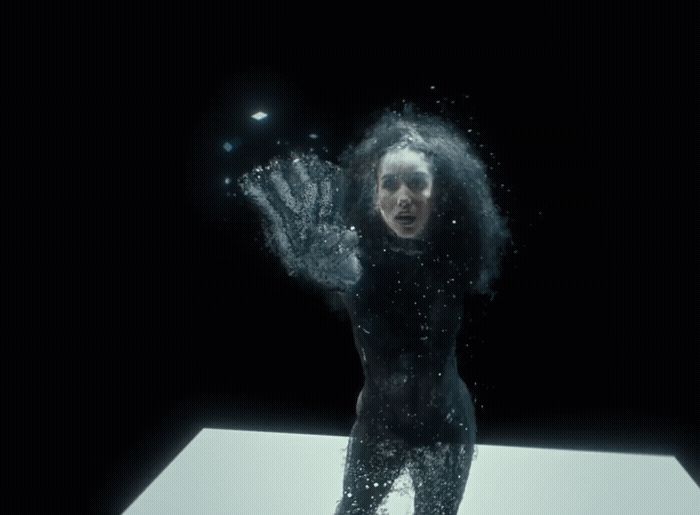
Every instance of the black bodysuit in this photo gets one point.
(414, 408)
(405, 301)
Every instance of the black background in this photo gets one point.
(155, 311)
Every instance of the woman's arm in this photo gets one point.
(298, 201)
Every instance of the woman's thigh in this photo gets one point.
(439, 473)
(374, 460)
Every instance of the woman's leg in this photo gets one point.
(439, 474)
(374, 460)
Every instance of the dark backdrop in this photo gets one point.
(171, 317)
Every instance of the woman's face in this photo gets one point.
(404, 191)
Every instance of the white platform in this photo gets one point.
(226, 471)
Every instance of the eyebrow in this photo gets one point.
(412, 175)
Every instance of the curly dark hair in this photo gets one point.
(467, 228)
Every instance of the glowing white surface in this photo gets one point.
(227, 471)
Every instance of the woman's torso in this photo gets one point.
(406, 311)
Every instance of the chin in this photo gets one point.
(402, 233)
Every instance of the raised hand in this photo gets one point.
(304, 227)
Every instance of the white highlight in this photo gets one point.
(406, 156)
(227, 471)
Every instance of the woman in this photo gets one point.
(401, 233)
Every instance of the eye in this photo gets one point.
(390, 183)
(417, 183)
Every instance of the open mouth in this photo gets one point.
(405, 219)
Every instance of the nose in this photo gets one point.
(403, 198)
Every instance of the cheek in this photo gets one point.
(425, 209)
(384, 201)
